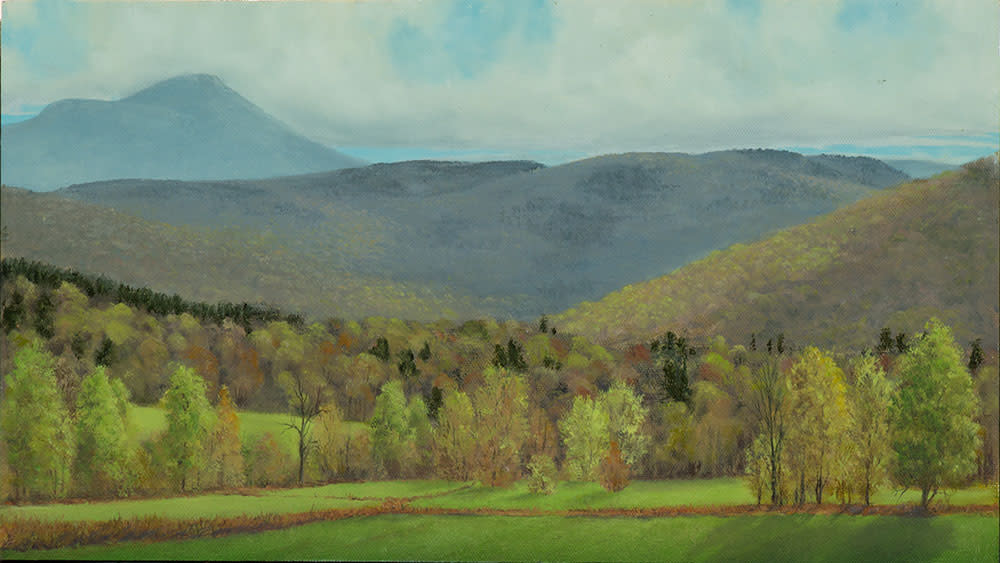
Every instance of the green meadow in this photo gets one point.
(148, 421)
(496, 538)
(261, 501)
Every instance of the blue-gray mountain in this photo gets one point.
(189, 127)
(515, 237)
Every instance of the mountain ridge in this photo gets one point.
(925, 248)
(538, 239)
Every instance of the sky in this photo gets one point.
(551, 81)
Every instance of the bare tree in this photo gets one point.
(767, 402)
(306, 401)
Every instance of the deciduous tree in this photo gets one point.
(390, 430)
(455, 439)
(306, 393)
(768, 394)
(36, 427)
(227, 456)
(189, 425)
(501, 406)
(102, 450)
(934, 433)
(871, 396)
(585, 433)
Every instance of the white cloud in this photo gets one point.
(612, 76)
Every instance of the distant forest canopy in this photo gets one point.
(924, 249)
(670, 407)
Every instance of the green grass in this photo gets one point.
(146, 422)
(568, 496)
(650, 494)
(202, 506)
(268, 502)
(976, 494)
(701, 538)
(578, 495)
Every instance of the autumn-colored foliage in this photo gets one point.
(614, 472)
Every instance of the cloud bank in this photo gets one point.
(588, 77)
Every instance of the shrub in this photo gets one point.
(542, 474)
(614, 472)
(267, 464)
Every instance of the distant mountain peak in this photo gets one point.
(187, 127)
(189, 90)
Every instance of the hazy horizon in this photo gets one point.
(540, 80)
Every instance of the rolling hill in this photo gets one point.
(537, 239)
(926, 248)
(226, 264)
(187, 127)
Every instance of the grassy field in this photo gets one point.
(700, 538)
(580, 495)
(341, 495)
(650, 494)
(445, 494)
(146, 422)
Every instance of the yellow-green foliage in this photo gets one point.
(927, 248)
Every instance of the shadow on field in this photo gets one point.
(828, 538)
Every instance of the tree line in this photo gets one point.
(50, 277)
(815, 429)
(375, 398)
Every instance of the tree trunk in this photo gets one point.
(774, 479)
(923, 497)
(302, 458)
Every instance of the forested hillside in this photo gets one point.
(926, 248)
(224, 264)
(425, 240)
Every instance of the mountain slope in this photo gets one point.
(226, 264)
(551, 236)
(187, 127)
(925, 248)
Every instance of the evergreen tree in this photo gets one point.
(885, 343)
(976, 357)
(499, 356)
(673, 352)
(901, 344)
(434, 401)
(13, 311)
(381, 349)
(43, 315)
(515, 356)
(425, 352)
(105, 354)
(407, 366)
